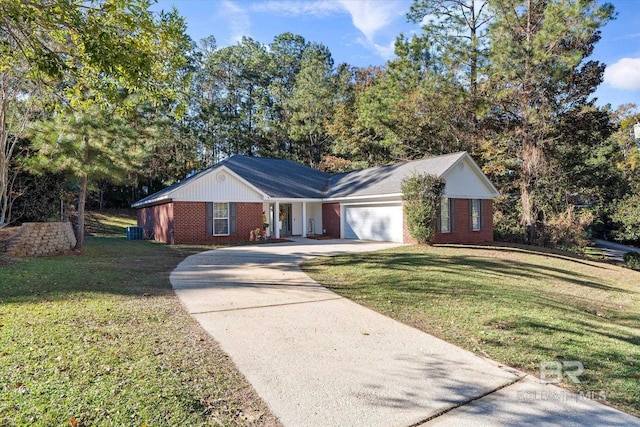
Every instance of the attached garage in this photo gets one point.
(363, 204)
(373, 222)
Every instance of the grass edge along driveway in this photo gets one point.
(516, 305)
(100, 338)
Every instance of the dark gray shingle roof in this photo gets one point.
(274, 177)
(387, 179)
(280, 178)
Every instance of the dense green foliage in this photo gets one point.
(88, 66)
(632, 260)
(510, 81)
(627, 215)
(421, 194)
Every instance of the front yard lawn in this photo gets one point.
(515, 305)
(101, 339)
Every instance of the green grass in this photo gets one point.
(514, 305)
(109, 223)
(101, 339)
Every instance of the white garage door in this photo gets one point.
(374, 222)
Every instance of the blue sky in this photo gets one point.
(362, 32)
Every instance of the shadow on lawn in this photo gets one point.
(107, 265)
(526, 249)
(460, 265)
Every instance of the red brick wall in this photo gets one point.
(190, 225)
(157, 222)
(331, 219)
(406, 235)
(461, 232)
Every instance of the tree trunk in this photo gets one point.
(4, 161)
(531, 167)
(81, 202)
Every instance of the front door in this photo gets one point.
(285, 219)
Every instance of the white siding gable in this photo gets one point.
(218, 185)
(464, 180)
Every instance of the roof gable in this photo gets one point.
(388, 179)
(219, 184)
(259, 178)
(465, 180)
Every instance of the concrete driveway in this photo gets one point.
(318, 359)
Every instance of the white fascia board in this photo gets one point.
(372, 202)
(467, 196)
(360, 198)
(291, 200)
(156, 201)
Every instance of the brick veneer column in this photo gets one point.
(331, 219)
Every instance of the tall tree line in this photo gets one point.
(74, 76)
(265, 100)
(508, 80)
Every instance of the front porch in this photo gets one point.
(293, 218)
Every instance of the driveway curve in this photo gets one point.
(318, 359)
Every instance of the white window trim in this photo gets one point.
(448, 221)
(217, 218)
(477, 215)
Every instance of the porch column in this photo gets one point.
(276, 218)
(304, 219)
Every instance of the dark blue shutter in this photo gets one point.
(209, 226)
(452, 215)
(233, 218)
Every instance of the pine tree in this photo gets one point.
(536, 55)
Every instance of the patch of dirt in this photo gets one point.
(278, 241)
(8, 233)
(322, 237)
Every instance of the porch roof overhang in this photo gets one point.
(291, 200)
(373, 198)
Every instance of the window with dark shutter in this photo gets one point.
(221, 219)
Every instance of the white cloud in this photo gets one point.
(237, 20)
(371, 16)
(624, 74)
(368, 16)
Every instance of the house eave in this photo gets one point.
(363, 197)
(150, 203)
(292, 199)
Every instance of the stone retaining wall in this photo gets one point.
(41, 239)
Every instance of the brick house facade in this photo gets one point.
(186, 222)
(461, 231)
(225, 202)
